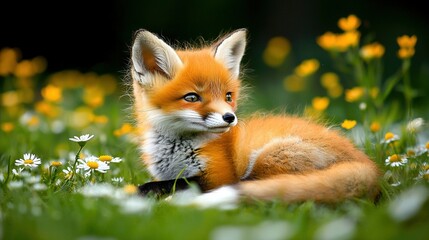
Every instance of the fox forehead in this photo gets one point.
(201, 73)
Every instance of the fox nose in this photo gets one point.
(228, 117)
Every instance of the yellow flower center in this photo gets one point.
(56, 164)
(427, 145)
(411, 152)
(130, 189)
(389, 136)
(93, 165)
(105, 158)
(28, 161)
(425, 167)
(395, 158)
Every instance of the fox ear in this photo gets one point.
(151, 55)
(230, 50)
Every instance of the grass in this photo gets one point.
(40, 112)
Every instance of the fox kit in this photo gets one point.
(185, 102)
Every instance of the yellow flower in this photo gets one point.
(390, 137)
(371, 51)
(394, 158)
(329, 80)
(276, 51)
(348, 124)
(56, 163)
(81, 117)
(354, 94)
(347, 39)
(125, 129)
(93, 96)
(8, 60)
(320, 103)
(327, 41)
(427, 145)
(406, 41)
(47, 109)
(294, 83)
(31, 121)
(25, 69)
(52, 93)
(10, 99)
(105, 158)
(7, 127)
(350, 23)
(404, 53)
(375, 127)
(307, 67)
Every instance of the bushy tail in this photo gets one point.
(341, 181)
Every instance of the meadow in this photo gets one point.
(69, 160)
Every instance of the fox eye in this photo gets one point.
(228, 97)
(192, 97)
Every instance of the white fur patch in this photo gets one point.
(226, 197)
(252, 159)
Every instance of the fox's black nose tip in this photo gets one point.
(228, 117)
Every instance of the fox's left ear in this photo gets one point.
(230, 50)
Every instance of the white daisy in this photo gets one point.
(40, 187)
(118, 179)
(389, 138)
(17, 172)
(395, 160)
(109, 159)
(424, 174)
(415, 125)
(30, 160)
(15, 184)
(91, 164)
(69, 172)
(82, 139)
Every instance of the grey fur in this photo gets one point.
(173, 156)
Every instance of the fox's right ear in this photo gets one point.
(150, 56)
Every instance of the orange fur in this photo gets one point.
(266, 157)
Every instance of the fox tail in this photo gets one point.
(344, 180)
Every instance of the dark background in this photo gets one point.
(96, 36)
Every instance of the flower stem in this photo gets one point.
(75, 161)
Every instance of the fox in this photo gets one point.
(185, 104)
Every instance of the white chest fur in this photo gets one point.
(171, 157)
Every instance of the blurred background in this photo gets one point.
(96, 36)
